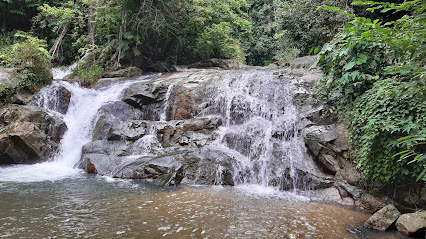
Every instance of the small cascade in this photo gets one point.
(260, 130)
(79, 118)
(60, 73)
(53, 99)
(163, 115)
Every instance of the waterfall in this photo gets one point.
(83, 107)
(260, 130)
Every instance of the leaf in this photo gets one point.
(422, 174)
(349, 65)
(316, 50)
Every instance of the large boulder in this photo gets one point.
(412, 223)
(28, 134)
(373, 203)
(109, 115)
(383, 219)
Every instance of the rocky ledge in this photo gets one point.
(28, 134)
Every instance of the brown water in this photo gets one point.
(96, 207)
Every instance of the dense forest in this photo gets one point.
(373, 55)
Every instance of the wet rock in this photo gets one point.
(383, 218)
(52, 98)
(163, 170)
(128, 130)
(111, 114)
(353, 191)
(28, 135)
(138, 95)
(126, 72)
(412, 223)
(193, 132)
(332, 195)
(106, 81)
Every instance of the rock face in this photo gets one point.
(52, 98)
(412, 223)
(383, 218)
(208, 127)
(28, 134)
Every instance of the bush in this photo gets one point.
(31, 59)
(88, 72)
(374, 74)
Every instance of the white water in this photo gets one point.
(60, 73)
(259, 132)
(163, 115)
(79, 118)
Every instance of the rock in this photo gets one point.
(226, 64)
(193, 132)
(162, 67)
(332, 195)
(126, 72)
(128, 130)
(23, 97)
(412, 223)
(353, 191)
(52, 98)
(109, 159)
(138, 95)
(110, 114)
(106, 81)
(28, 134)
(372, 203)
(7, 78)
(303, 62)
(383, 218)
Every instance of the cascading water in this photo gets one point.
(163, 115)
(260, 130)
(83, 107)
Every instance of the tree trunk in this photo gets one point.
(3, 12)
(54, 49)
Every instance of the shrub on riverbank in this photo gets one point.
(375, 76)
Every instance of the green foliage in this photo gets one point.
(6, 42)
(415, 150)
(303, 27)
(31, 59)
(88, 72)
(210, 28)
(374, 74)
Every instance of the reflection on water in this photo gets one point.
(96, 207)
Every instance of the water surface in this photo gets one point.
(98, 207)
